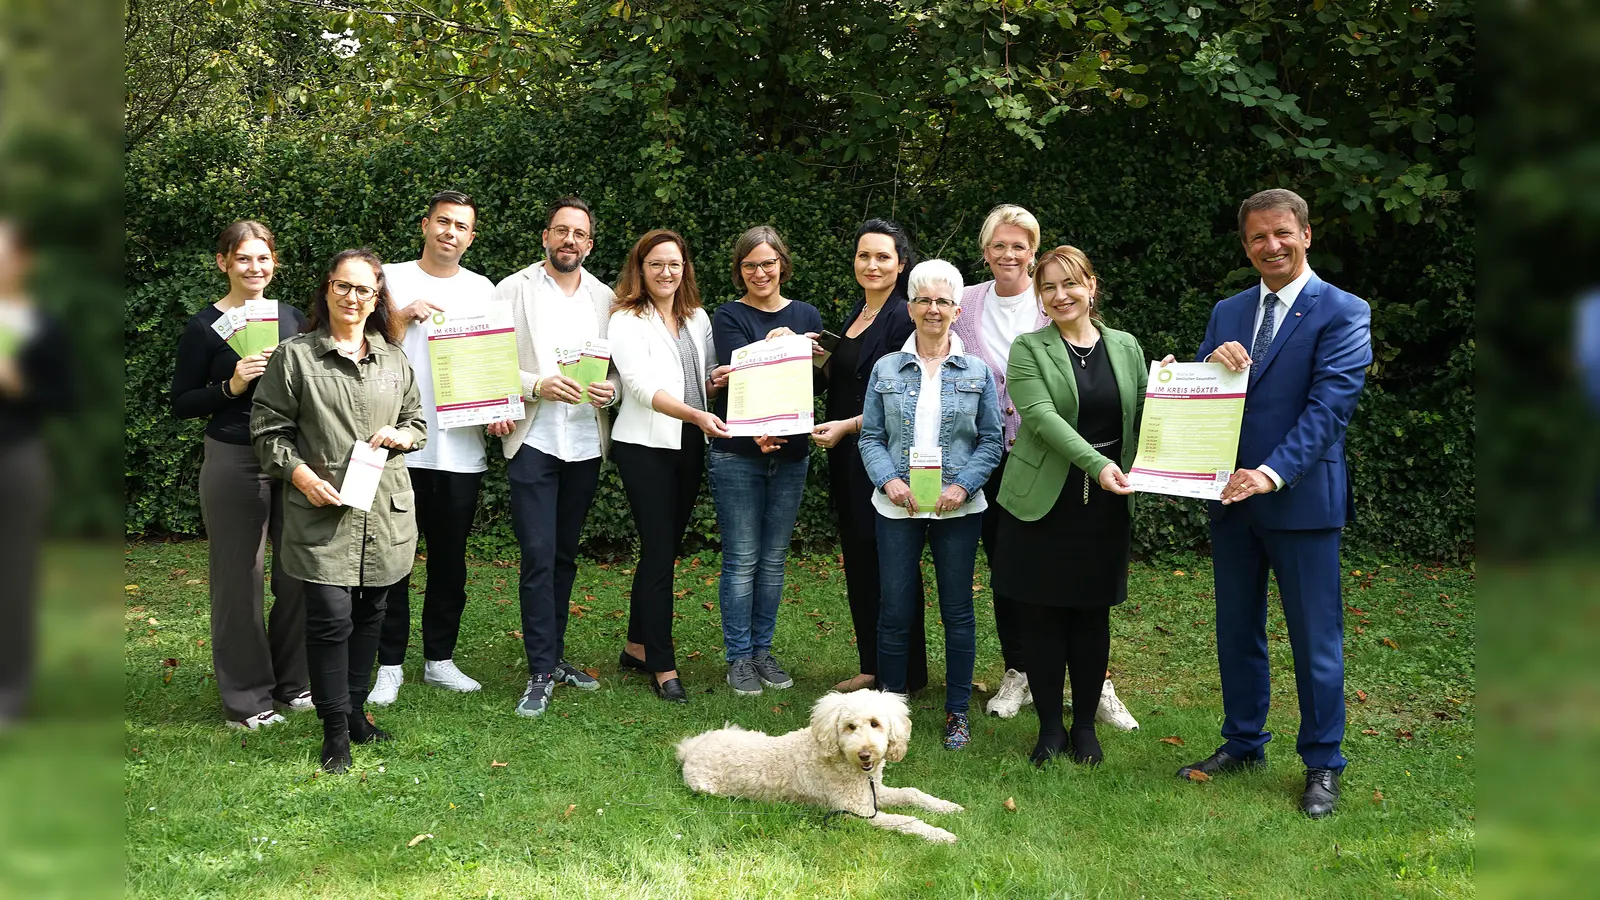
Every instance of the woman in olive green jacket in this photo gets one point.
(345, 382)
(1079, 389)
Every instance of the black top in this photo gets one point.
(45, 363)
(887, 334)
(737, 324)
(205, 363)
(1099, 403)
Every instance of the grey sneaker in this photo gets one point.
(772, 675)
(743, 678)
(537, 697)
(567, 673)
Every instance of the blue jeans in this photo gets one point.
(757, 501)
(955, 548)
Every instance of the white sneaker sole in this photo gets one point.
(456, 686)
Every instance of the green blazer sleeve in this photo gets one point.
(1045, 393)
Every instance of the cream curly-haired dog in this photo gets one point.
(836, 763)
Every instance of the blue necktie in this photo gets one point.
(1269, 318)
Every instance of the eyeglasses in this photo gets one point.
(562, 232)
(940, 302)
(767, 265)
(343, 289)
(656, 266)
(999, 249)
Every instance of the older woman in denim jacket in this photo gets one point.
(931, 395)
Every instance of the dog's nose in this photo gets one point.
(865, 755)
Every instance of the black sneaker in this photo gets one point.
(743, 678)
(772, 675)
(567, 673)
(537, 697)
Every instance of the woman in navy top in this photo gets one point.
(757, 483)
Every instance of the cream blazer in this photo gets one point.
(646, 357)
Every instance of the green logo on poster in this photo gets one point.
(1164, 376)
(438, 318)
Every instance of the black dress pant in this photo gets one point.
(851, 490)
(25, 478)
(1007, 621)
(1059, 641)
(550, 498)
(446, 504)
(342, 625)
(661, 485)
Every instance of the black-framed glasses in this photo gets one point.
(942, 303)
(562, 232)
(343, 288)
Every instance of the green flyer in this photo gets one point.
(1189, 436)
(927, 477)
(473, 349)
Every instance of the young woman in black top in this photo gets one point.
(257, 659)
(757, 483)
(879, 324)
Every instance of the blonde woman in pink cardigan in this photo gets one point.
(994, 314)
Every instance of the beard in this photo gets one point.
(562, 267)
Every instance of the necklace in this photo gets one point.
(1083, 358)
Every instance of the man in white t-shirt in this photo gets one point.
(447, 473)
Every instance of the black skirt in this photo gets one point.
(1076, 555)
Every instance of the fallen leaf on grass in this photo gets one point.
(1010, 804)
(131, 588)
(1174, 740)
(1377, 796)
(707, 605)
(1178, 572)
(570, 808)
(1369, 731)
(179, 573)
(1163, 629)
(152, 621)
(1197, 775)
(1361, 695)
(170, 662)
(194, 581)
(515, 634)
(694, 654)
(496, 764)
(777, 709)
(980, 686)
(711, 581)
(419, 839)
(1403, 734)
(1389, 642)
(592, 672)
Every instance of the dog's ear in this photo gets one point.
(825, 721)
(899, 728)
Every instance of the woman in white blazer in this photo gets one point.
(661, 346)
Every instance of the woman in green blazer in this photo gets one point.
(1079, 389)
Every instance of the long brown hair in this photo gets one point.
(383, 321)
(631, 292)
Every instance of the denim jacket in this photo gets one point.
(969, 419)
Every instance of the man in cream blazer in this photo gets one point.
(555, 452)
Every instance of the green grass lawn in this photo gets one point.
(588, 800)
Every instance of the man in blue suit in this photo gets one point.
(1307, 345)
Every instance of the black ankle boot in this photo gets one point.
(336, 744)
(1086, 746)
(1049, 747)
(364, 732)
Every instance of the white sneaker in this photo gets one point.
(1012, 696)
(387, 687)
(443, 673)
(1112, 712)
(258, 721)
(302, 702)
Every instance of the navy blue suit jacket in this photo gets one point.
(1299, 401)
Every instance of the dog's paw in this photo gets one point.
(939, 835)
(945, 806)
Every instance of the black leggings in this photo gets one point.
(1059, 640)
(342, 625)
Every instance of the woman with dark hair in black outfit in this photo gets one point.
(259, 657)
(879, 324)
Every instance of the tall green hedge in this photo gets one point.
(1153, 208)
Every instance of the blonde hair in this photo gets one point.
(1009, 214)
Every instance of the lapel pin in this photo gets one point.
(1297, 315)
